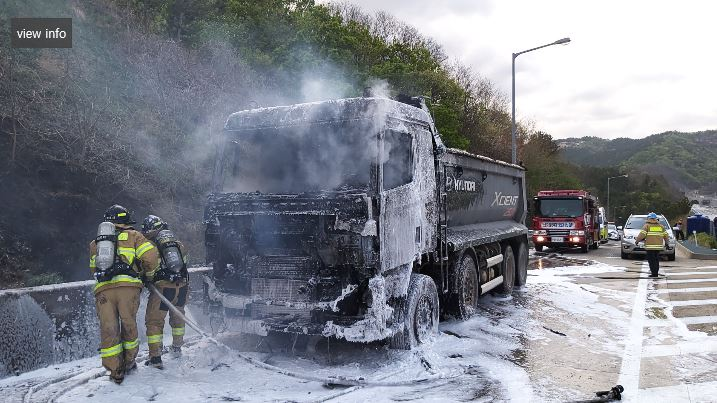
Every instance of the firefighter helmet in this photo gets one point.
(652, 216)
(153, 223)
(118, 215)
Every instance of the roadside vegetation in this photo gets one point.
(704, 240)
(130, 114)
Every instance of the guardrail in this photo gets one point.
(57, 323)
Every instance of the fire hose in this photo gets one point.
(605, 395)
(333, 380)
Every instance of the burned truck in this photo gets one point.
(350, 219)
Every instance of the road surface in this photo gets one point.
(584, 323)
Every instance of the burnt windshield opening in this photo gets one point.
(336, 157)
(560, 207)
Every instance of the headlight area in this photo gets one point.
(576, 236)
(540, 235)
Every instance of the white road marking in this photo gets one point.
(672, 290)
(657, 323)
(678, 393)
(688, 273)
(691, 280)
(630, 367)
(698, 320)
(694, 302)
(688, 320)
(666, 350)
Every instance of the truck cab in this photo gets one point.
(350, 219)
(565, 219)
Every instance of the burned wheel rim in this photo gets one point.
(468, 292)
(509, 275)
(508, 271)
(424, 319)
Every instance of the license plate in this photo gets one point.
(557, 239)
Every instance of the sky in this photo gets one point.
(633, 68)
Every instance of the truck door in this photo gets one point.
(399, 219)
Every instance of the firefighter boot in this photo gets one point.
(155, 362)
(175, 351)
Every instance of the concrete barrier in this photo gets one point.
(52, 324)
(691, 254)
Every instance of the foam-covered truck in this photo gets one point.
(350, 219)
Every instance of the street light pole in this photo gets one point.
(608, 194)
(513, 148)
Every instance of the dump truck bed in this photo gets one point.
(485, 199)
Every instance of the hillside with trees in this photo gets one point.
(131, 112)
(684, 160)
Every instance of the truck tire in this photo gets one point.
(467, 289)
(671, 257)
(624, 255)
(521, 264)
(508, 271)
(584, 248)
(419, 319)
(538, 248)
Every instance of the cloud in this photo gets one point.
(649, 61)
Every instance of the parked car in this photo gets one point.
(613, 233)
(632, 229)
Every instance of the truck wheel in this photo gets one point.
(624, 255)
(671, 257)
(508, 271)
(584, 249)
(538, 248)
(419, 319)
(521, 265)
(467, 290)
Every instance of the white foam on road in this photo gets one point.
(696, 320)
(630, 368)
(684, 348)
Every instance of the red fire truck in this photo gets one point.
(565, 218)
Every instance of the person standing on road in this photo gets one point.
(655, 237)
(119, 256)
(677, 229)
(171, 280)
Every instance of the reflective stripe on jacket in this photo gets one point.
(135, 250)
(654, 235)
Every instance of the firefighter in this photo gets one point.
(172, 281)
(119, 256)
(655, 237)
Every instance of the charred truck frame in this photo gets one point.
(350, 219)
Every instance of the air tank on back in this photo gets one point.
(105, 242)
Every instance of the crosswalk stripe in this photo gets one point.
(693, 302)
(678, 393)
(671, 290)
(631, 357)
(657, 323)
(697, 320)
(691, 280)
(688, 273)
(666, 350)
